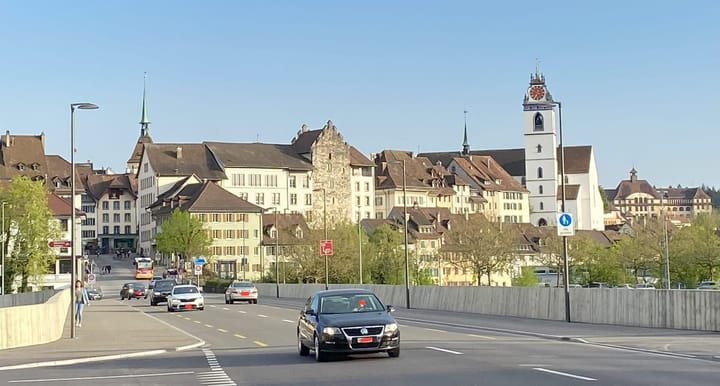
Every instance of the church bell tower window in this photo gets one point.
(539, 122)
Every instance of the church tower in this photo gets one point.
(134, 162)
(541, 163)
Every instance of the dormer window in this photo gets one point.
(298, 233)
(273, 233)
(21, 166)
(58, 183)
(539, 122)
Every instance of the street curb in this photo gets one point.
(66, 362)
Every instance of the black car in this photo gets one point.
(133, 290)
(347, 321)
(161, 291)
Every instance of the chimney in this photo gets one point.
(7, 138)
(178, 152)
(42, 139)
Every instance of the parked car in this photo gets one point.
(708, 285)
(133, 291)
(185, 297)
(347, 321)
(242, 291)
(161, 291)
(644, 286)
(95, 293)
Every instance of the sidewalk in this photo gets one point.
(110, 330)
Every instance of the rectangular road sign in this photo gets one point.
(60, 244)
(326, 247)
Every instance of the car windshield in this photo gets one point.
(185, 290)
(164, 285)
(242, 284)
(349, 303)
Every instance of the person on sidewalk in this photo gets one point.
(81, 300)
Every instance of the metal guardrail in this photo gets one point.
(27, 298)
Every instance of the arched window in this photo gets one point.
(540, 173)
(542, 222)
(540, 189)
(567, 180)
(539, 122)
(542, 206)
(539, 148)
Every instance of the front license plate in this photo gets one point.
(244, 293)
(188, 306)
(366, 339)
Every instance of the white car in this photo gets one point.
(241, 291)
(185, 297)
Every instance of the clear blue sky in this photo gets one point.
(638, 79)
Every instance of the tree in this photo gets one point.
(386, 256)
(481, 245)
(527, 278)
(550, 249)
(603, 197)
(29, 256)
(593, 262)
(184, 235)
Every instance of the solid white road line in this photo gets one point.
(100, 377)
(66, 362)
(434, 330)
(444, 350)
(564, 374)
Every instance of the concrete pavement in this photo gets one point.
(110, 330)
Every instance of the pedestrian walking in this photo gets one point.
(81, 300)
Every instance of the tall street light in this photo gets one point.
(566, 265)
(405, 224)
(360, 244)
(73, 106)
(4, 238)
(666, 241)
(327, 274)
(277, 254)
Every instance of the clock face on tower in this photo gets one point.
(537, 92)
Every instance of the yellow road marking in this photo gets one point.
(221, 330)
(185, 317)
(259, 343)
(209, 326)
(239, 336)
(197, 321)
(434, 329)
(481, 336)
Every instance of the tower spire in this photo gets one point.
(144, 121)
(466, 145)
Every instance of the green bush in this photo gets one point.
(215, 285)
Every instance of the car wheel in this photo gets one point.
(302, 349)
(394, 353)
(170, 309)
(152, 303)
(201, 308)
(319, 355)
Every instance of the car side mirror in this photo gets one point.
(390, 308)
(310, 311)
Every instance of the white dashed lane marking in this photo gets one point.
(444, 350)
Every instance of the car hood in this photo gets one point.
(187, 296)
(356, 319)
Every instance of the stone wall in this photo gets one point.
(331, 171)
(34, 324)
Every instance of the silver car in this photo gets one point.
(185, 297)
(241, 291)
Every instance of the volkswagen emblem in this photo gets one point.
(364, 331)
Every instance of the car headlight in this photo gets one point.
(391, 327)
(173, 301)
(331, 331)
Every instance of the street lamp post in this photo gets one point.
(73, 106)
(4, 238)
(405, 226)
(666, 242)
(407, 256)
(277, 254)
(327, 274)
(566, 265)
(360, 245)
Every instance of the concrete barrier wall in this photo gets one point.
(34, 324)
(26, 298)
(679, 309)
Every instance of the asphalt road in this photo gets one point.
(256, 345)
